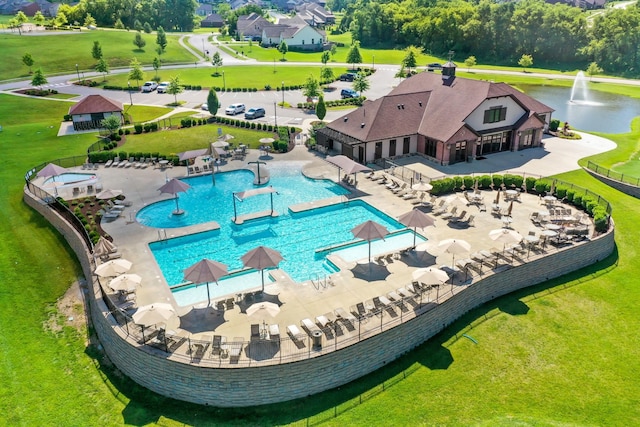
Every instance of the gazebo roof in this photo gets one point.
(96, 104)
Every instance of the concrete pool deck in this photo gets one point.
(304, 300)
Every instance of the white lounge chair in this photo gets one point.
(309, 326)
(295, 332)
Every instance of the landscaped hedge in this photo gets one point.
(337, 103)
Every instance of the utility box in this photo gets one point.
(316, 338)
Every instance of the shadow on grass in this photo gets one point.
(145, 407)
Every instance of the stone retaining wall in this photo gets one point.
(626, 188)
(252, 386)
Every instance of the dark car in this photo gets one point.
(254, 113)
(348, 93)
(347, 77)
(434, 66)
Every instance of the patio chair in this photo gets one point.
(322, 321)
(109, 163)
(274, 332)
(344, 316)
(294, 332)
(450, 214)
(216, 345)
(255, 331)
(235, 349)
(230, 303)
(309, 326)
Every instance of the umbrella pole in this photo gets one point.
(208, 294)
(262, 275)
(415, 229)
(177, 207)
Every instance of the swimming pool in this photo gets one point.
(69, 178)
(205, 202)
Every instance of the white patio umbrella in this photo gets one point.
(260, 258)
(505, 236)
(430, 276)
(113, 268)
(422, 186)
(108, 194)
(266, 140)
(152, 314)
(416, 218)
(103, 247)
(263, 309)
(205, 271)
(220, 144)
(454, 246)
(125, 282)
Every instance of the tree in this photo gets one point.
(139, 41)
(410, 60)
(156, 64)
(27, 60)
(137, 25)
(321, 108)
(111, 123)
(174, 87)
(212, 102)
(470, 62)
(216, 61)
(89, 21)
(525, 61)
(311, 88)
(325, 57)
(283, 48)
(334, 50)
(61, 19)
(354, 56)
(96, 51)
(118, 24)
(136, 72)
(21, 17)
(326, 74)
(161, 40)
(592, 69)
(361, 83)
(147, 28)
(102, 67)
(39, 18)
(39, 79)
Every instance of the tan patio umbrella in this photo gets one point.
(505, 236)
(430, 276)
(205, 271)
(174, 187)
(510, 208)
(416, 218)
(108, 194)
(227, 137)
(422, 186)
(497, 200)
(475, 185)
(454, 246)
(125, 282)
(266, 140)
(369, 230)
(103, 247)
(261, 258)
(51, 170)
(220, 144)
(113, 268)
(152, 314)
(263, 310)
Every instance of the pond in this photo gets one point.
(601, 112)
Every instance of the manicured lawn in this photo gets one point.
(55, 57)
(564, 353)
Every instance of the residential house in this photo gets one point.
(315, 15)
(445, 118)
(296, 33)
(204, 9)
(212, 20)
(89, 112)
(251, 26)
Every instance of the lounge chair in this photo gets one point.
(399, 189)
(123, 163)
(404, 292)
(111, 215)
(235, 348)
(309, 326)
(393, 296)
(383, 301)
(322, 321)
(255, 331)
(418, 200)
(274, 332)
(109, 163)
(216, 345)
(230, 303)
(410, 195)
(450, 214)
(190, 170)
(295, 333)
(344, 316)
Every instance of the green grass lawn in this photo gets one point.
(55, 57)
(562, 353)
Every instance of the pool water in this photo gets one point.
(70, 178)
(206, 202)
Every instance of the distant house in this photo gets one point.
(204, 9)
(30, 9)
(251, 25)
(91, 110)
(445, 118)
(315, 15)
(212, 21)
(296, 33)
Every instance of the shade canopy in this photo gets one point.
(347, 165)
(220, 144)
(454, 246)
(192, 154)
(51, 170)
(430, 276)
(254, 192)
(113, 268)
(205, 271)
(422, 186)
(149, 315)
(369, 230)
(263, 309)
(226, 137)
(266, 140)
(103, 247)
(260, 258)
(416, 218)
(108, 194)
(125, 282)
(174, 186)
(505, 235)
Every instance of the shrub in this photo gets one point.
(577, 200)
(497, 180)
(553, 126)
(138, 128)
(542, 186)
(570, 194)
(458, 182)
(600, 218)
(530, 183)
(484, 181)
(561, 191)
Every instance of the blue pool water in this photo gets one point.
(70, 177)
(205, 202)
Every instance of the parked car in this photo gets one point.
(234, 109)
(149, 86)
(254, 113)
(348, 93)
(162, 87)
(434, 66)
(348, 77)
(205, 106)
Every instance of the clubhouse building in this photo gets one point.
(445, 118)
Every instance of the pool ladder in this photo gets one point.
(162, 235)
(323, 281)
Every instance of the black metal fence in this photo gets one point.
(616, 176)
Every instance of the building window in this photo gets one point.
(495, 114)
(378, 152)
(406, 143)
(460, 154)
(302, 41)
(392, 148)
(313, 41)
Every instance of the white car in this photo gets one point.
(162, 87)
(149, 86)
(205, 106)
(234, 109)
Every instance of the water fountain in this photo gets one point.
(579, 89)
